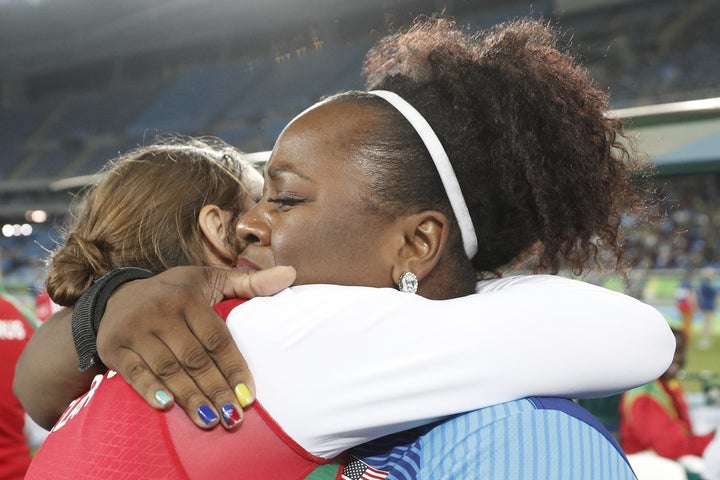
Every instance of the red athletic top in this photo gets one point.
(111, 433)
(15, 332)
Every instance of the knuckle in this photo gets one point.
(196, 360)
(237, 374)
(217, 342)
(218, 393)
(167, 367)
(189, 398)
(135, 370)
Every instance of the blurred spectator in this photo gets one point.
(688, 233)
(686, 305)
(44, 306)
(655, 418)
(16, 327)
(706, 297)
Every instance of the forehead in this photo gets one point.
(328, 132)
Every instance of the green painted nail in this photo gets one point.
(163, 398)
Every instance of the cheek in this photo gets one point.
(351, 254)
(322, 249)
(298, 243)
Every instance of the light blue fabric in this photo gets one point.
(527, 439)
(516, 440)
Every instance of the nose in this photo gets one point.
(253, 228)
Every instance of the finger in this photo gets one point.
(249, 284)
(159, 377)
(139, 375)
(170, 371)
(215, 364)
(202, 391)
(217, 341)
(192, 370)
(188, 371)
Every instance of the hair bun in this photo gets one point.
(73, 268)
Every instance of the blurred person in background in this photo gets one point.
(706, 300)
(686, 302)
(654, 418)
(44, 306)
(17, 325)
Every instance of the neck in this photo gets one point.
(444, 282)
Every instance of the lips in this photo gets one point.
(244, 264)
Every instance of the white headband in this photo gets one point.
(442, 164)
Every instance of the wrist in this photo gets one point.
(90, 308)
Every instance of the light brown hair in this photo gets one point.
(144, 212)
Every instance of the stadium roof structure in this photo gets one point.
(680, 137)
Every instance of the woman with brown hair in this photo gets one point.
(170, 203)
(154, 209)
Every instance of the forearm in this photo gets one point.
(376, 361)
(47, 377)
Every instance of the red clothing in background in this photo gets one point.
(655, 417)
(15, 331)
(44, 306)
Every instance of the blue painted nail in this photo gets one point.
(207, 414)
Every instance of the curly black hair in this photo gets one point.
(545, 171)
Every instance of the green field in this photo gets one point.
(700, 361)
(658, 289)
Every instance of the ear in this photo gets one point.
(425, 240)
(215, 224)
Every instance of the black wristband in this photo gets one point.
(90, 307)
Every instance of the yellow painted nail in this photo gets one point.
(242, 393)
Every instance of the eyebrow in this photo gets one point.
(274, 172)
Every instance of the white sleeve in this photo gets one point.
(337, 366)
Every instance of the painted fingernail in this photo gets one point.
(163, 398)
(207, 414)
(242, 393)
(230, 414)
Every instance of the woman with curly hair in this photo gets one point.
(466, 156)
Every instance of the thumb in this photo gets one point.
(249, 283)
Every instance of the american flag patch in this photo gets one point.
(356, 469)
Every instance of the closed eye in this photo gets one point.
(286, 200)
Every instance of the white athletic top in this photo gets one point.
(366, 362)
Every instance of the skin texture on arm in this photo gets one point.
(47, 377)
